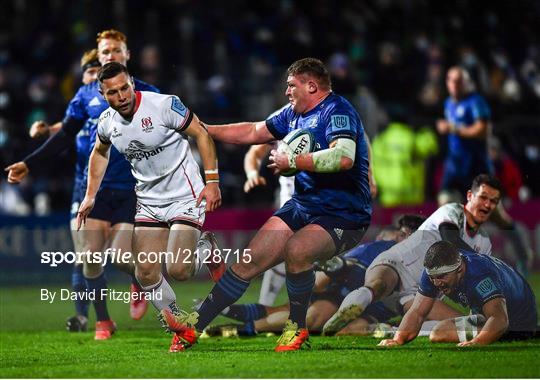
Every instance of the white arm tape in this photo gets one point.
(329, 160)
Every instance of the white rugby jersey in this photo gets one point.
(455, 213)
(412, 250)
(160, 157)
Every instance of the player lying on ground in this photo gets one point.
(148, 129)
(401, 266)
(333, 281)
(502, 303)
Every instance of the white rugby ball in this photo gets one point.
(300, 141)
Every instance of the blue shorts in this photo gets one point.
(345, 233)
(114, 206)
(79, 189)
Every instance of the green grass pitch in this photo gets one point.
(33, 343)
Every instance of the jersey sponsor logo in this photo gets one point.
(94, 102)
(460, 111)
(340, 122)
(115, 133)
(339, 232)
(146, 124)
(104, 115)
(486, 287)
(136, 150)
(178, 107)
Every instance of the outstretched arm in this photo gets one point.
(412, 321)
(51, 148)
(241, 133)
(40, 128)
(97, 165)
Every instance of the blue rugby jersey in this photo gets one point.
(487, 278)
(344, 194)
(467, 157)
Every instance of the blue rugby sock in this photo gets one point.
(246, 312)
(226, 292)
(299, 288)
(79, 285)
(100, 304)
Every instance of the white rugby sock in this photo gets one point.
(204, 254)
(164, 296)
(361, 296)
(426, 328)
(271, 285)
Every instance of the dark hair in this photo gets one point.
(412, 222)
(485, 179)
(110, 70)
(389, 228)
(440, 254)
(312, 67)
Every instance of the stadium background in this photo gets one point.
(226, 61)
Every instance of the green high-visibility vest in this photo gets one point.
(398, 159)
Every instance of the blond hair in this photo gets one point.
(89, 56)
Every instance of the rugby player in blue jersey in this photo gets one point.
(334, 280)
(111, 222)
(502, 304)
(89, 66)
(330, 209)
(467, 125)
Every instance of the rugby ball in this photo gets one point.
(299, 141)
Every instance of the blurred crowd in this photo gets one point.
(226, 61)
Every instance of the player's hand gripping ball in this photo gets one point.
(300, 141)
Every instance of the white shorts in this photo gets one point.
(407, 259)
(178, 212)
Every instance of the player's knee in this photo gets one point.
(92, 270)
(295, 253)
(180, 272)
(147, 274)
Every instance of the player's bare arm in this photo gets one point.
(479, 130)
(245, 133)
(40, 128)
(496, 323)
(252, 164)
(412, 321)
(17, 172)
(97, 165)
(207, 150)
(338, 157)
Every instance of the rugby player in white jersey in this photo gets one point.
(151, 131)
(400, 268)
